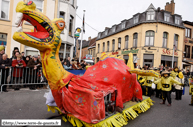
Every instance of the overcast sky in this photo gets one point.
(105, 13)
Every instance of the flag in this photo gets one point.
(83, 23)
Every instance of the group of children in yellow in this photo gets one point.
(165, 84)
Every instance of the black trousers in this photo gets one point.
(5, 73)
(143, 89)
(178, 94)
(148, 91)
(158, 93)
(166, 95)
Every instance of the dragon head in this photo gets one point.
(46, 34)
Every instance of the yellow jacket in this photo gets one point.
(166, 83)
(174, 74)
(159, 85)
(191, 86)
(141, 80)
(149, 80)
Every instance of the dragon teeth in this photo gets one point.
(19, 29)
(18, 18)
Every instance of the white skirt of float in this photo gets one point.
(50, 99)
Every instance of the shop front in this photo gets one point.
(126, 56)
(166, 61)
(148, 60)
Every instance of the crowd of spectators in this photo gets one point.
(74, 64)
(27, 69)
(23, 69)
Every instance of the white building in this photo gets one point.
(65, 9)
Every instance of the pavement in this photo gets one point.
(30, 104)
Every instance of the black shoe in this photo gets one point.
(5, 91)
(191, 104)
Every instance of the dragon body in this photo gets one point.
(83, 97)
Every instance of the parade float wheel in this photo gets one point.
(130, 112)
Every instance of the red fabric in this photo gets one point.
(18, 72)
(84, 97)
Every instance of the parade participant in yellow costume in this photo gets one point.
(148, 83)
(166, 82)
(191, 89)
(158, 87)
(176, 72)
(141, 80)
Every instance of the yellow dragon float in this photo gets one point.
(105, 88)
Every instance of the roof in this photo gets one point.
(142, 18)
(92, 42)
(84, 43)
(188, 22)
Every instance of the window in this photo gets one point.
(99, 35)
(62, 15)
(39, 4)
(72, 2)
(3, 39)
(119, 43)
(151, 15)
(135, 36)
(149, 38)
(123, 25)
(4, 6)
(165, 39)
(188, 33)
(126, 41)
(114, 28)
(107, 46)
(177, 20)
(113, 45)
(106, 32)
(176, 41)
(192, 52)
(71, 25)
(187, 50)
(94, 52)
(166, 17)
(136, 19)
(98, 48)
(103, 47)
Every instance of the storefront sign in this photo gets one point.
(88, 56)
(190, 41)
(130, 51)
(169, 52)
(115, 53)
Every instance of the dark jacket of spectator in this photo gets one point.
(27, 59)
(31, 65)
(23, 58)
(5, 63)
(68, 63)
(18, 71)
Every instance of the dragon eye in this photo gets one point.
(60, 24)
(29, 3)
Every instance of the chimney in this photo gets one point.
(89, 38)
(170, 7)
(106, 28)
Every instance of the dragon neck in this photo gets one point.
(53, 70)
